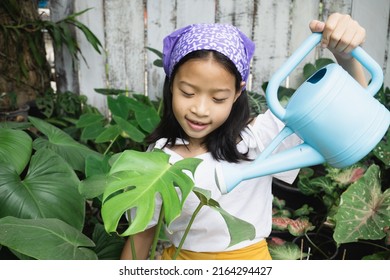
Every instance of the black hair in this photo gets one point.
(222, 142)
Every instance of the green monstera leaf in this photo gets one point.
(45, 239)
(139, 177)
(239, 230)
(364, 210)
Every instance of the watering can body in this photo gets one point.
(338, 120)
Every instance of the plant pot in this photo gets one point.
(324, 247)
(19, 115)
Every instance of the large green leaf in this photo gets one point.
(146, 116)
(91, 125)
(364, 210)
(61, 143)
(239, 230)
(15, 148)
(118, 106)
(97, 173)
(49, 190)
(45, 239)
(108, 246)
(128, 130)
(140, 176)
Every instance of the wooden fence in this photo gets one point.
(126, 27)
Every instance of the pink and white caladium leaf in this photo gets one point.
(296, 227)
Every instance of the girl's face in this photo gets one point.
(203, 96)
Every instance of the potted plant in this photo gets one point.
(9, 109)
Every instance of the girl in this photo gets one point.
(206, 115)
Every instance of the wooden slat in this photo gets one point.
(124, 21)
(66, 74)
(161, 20)
(238, 13)
(271, 31)
(92, 75)
(374, 17)
(195, 11)
(302, 12)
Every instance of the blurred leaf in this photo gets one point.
(118, 106)
(128, 130)
(45, 239)
(110, 133)
(157, 52)
(286, 251)
(15, 148)
(49, 190)
(108, 247)
(61, 143)
(110, 91)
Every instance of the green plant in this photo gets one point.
(46, 160)
(133, 116)
(131, 180)
(296, 222)
(40, 196)
(41, 208)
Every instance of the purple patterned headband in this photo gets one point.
(224, 38)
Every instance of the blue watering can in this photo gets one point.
(338, 120)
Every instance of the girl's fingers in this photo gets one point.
(342, 34)
(316, 26)
(335, 27)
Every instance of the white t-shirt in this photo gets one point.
(251, 200)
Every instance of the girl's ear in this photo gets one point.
(238, 93)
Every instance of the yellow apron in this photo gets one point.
(257, 251)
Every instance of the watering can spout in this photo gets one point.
(229, 175)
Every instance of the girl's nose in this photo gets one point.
(200, 107)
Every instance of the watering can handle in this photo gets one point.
(308, 45)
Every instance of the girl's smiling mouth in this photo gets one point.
(195, 125)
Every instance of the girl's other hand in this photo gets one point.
(340, 34)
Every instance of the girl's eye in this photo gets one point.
(219, 100)
(186, 94)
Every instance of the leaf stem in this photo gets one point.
(109, 146)
(374, 244)
(131, 238)
(187, 230)
(315, 246)
(157, 233)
